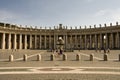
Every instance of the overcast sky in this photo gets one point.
(52, 12)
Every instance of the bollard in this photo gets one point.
(52, 57)
(25, 57)
(119, 57)
(64, 57)
(38, 57)
(105, 57)
(11, 58)
(77, 57)
(91, 57)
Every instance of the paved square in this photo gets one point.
(59, 69)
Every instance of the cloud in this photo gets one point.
(13, 17)
(115, 14)
(101, 13)
(7, 15)
(109, 14)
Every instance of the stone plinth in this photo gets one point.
(64, 57)
(11, 58)
(25, 57)
(119, 57)
(91, 57)
(78, 57)
(105, 57)
(52, 57)
(38, 57)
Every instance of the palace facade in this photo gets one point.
(18, 37)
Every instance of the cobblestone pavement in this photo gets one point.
(60, 73)
(59, 69)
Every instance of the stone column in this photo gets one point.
(54, 41)
(106, 40)
(25, 41)
(71, 41)
(80, 41)
(101, 41)
(95, 41)
(20, 41)
(118, 42)
(90, 41)
(40, 41)
(50, 41)
(45, 41)
(35, 41)
(115, 40)
(3, 41)
(9, 41)
(85, 42)
(15, 41)
(112, 41)
(66, 41)
(4, 25)
(75, 41)
(30, 41)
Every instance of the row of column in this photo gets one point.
(106, 40)
(25, 41)
(10, 41)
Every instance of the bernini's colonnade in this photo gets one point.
(18, 37)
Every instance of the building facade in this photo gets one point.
(17, 37)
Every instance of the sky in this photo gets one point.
(49, 13)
